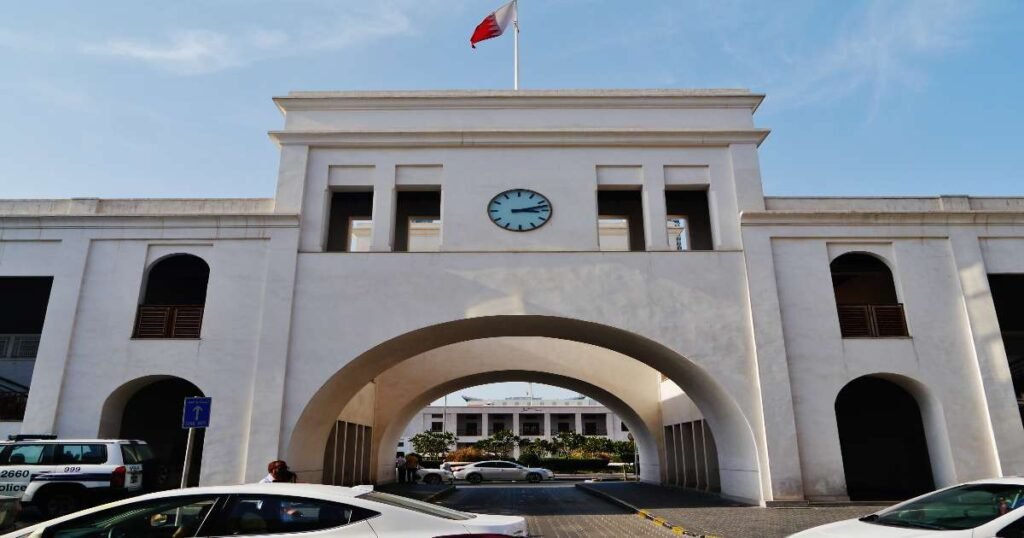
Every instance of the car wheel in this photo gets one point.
(60, 503)
(533, 477)
(475, 478)
(432, 479)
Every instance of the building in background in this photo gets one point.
(528, 417)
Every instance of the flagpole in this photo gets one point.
(515, 23)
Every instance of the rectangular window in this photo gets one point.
(350, 223)
(530, 428)
(620, 220)
(678, 232)
(70, 454)
(691, 207)
(418, 221)
(435, 415)
(612, 233)
(471, 429)
(497, 427)
(27, 454)
(624, 428)
(436, 426)
(564, 427)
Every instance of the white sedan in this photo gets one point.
(980, 509)
(501, 470)
(273, 510)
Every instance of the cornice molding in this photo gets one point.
(893, 218)
(164, 221)
(521, 138)
(525, 99)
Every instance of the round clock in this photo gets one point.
(519, 210)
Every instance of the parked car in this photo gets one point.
(434, 476)
(501, 470)
(980, 509)
(274, 510)
(60, 476)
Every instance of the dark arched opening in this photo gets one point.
(173, 299)
(881, 435)
(154, 414)
(866, 297)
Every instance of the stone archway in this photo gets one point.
(740, 468)
(149, 409)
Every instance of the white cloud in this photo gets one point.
(195, 52)
(879, 49)
(188, 53)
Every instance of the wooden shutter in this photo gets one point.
(854, 320)
(152, 321)
(889, 320)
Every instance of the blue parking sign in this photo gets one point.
(196, 413)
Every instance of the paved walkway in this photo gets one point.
(702, 514)
(555, 510)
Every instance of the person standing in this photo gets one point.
(412, 464)
(277, 471)
(400, 467)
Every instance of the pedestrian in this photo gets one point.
(277, 471)
(412, 464)
(400, 467)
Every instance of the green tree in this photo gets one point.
(568, 444)
(501, 443)
(433, 445)
(596, 446)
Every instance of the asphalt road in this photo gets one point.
(554, 510)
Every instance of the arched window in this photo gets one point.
(882, 439)
(174, 298)
(866, 297)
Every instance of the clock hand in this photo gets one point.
(525, 210)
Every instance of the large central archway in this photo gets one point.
(740, 469)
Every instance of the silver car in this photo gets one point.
(501, 470)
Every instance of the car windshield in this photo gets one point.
(962, 507)
(416, 506)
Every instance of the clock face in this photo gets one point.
(519, 210)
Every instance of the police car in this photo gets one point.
(60, 476)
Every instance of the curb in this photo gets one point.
(440, 494)
(646, 514)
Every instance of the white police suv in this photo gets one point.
(60, 476)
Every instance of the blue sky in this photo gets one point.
(172, 99)
(147, 98)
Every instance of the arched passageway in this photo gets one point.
(883, 442)
(150, 409)
(739, 465)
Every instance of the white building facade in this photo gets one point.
(771, 348)
(527, 417)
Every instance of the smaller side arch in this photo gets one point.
(893, 438)
(149, 408)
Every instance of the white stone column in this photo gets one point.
(515, 423)
(611, 425)
(484, 427)
(291, 179)
(655, 215)
(55, 340)
(579, 422)
(271, 362)
(1007, 440)
(775, 430)
(383, 208)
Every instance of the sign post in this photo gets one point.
(195, 414)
